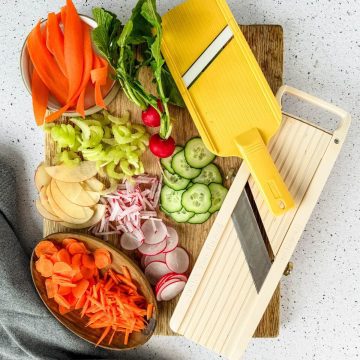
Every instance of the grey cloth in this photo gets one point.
(27, 329)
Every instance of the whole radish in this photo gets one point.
(151, 117)
(161, 148)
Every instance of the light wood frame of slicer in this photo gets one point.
(241, 335)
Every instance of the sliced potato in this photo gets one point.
(93, 184)
(44, 213)
(84, 171)
(75, 193)
(44, 200)
(41, 178)
(71, 209)
(98, 215)
(61, 214)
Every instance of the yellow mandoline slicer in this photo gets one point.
(231, 283)
(225, 90)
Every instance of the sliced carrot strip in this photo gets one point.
(63, 310)
(99, 77)
(63, 14)
(40, 96)
(149, 311)
(126, 272)
(51, 288)
(46, 66)
(73, 48)
(55, 41)
(103, 336)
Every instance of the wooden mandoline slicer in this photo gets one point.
(223, 300)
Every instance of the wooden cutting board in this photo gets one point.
(266, 42)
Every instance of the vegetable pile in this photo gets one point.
(126, 207)
(114, 143)
(193, 187)
(142, 32)
(70, 196)
(65, 65)
(110, 301)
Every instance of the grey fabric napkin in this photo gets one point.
(27, 329)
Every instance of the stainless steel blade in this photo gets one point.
(251, 240)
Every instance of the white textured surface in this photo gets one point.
(320, 316)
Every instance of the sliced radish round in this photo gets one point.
(163, 286)
(155, 270)
(147, 249)
(171, 290)
(172, 240)
(154, 231)
(150, 258)
(129, 242)
(168, 277)
(178, 260)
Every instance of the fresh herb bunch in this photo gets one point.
(120, 44)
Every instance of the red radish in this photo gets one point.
(151, 117)
(168, 277)
(172, 290)
(172, 240)
(154, 231)
(129, 242)
(163, 286)
(178, 260)
(147, 249)
(161, 148)
(155, 270)
(149, 259)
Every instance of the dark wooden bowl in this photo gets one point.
(73, 321)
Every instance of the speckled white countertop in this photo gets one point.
(320, 305)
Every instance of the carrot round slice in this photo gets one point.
(45, 247)
(64, 256)
(51, 288)
(62, 268)
(68, 241)
(64, 290)
(88, 261)
(102, 258)
(44, 266)
(62, 301)
(77, 248)
(80, 288)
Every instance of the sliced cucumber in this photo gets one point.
(175, 181)
(199, 218)
(166, 162)
(182, 215)
(171, 199)
(218, 193)
(209, 174)
(182, 168)
(197, 199)
(196, 154)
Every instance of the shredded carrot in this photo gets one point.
(109, 301)
(99, 78)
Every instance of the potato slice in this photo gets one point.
(75, 193)
(61, 214)
(85, 170)
(41, 178)
(44, 200)
(98, 215)
(44, 213)
(71, 209)
(93, 184)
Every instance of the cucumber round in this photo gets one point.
(209, 174)
(196, 154)
(182, 215)
(175, 181)
(199, 218)
(170, 199)
(218, 193)
(197, 199)
(166, 162)
(182, 168)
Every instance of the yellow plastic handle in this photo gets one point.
(272, 187)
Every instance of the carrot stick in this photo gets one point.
(149, 311)
(55, 41)
(98, 77)
(62, 301)
(40, 95)
(103, 336)
(126, 272)
(46, 66)
(73, 48)
(63, 14)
